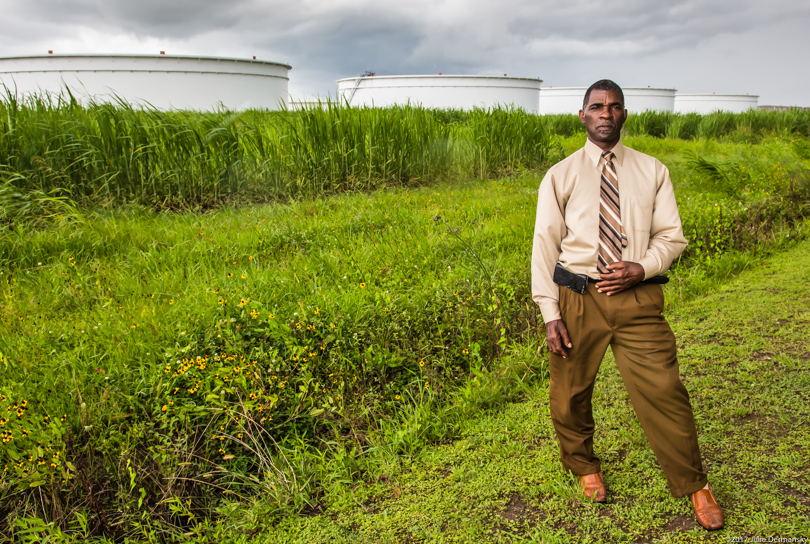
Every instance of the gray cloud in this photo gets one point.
(177, 19)
(688, 44)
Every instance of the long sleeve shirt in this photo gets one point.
(567, 225)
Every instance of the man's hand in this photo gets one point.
(557, 338)
(623, 275)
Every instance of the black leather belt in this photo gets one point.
(579, 282)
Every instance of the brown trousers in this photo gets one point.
(643, 345)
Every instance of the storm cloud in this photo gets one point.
(695, 46)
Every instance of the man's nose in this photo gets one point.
(604, 112)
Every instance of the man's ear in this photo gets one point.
(582, 116)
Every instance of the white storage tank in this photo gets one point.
(708, 102)
(636, 99)
(162, 81)
(309, 102)
(441, 91)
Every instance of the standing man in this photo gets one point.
(607, 228)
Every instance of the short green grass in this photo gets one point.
(744, 359)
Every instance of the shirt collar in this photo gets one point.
(595, 152)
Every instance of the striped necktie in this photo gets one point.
(611, 234)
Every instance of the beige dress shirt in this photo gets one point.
(567, 225)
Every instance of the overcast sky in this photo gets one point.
(696, 46)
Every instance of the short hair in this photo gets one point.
(602, 85)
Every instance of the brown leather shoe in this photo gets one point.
(593, 487)
(707, 511)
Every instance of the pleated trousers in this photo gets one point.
(643, 344)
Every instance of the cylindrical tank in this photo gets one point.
(709, 102)
(308, 102)
(441, 91)
(636, 99)
(160, 81)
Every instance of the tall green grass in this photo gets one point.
(751, 126)
(108, 155)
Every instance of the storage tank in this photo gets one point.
(309, 102)
(441, 91)
(709, 102)
(162, 81)
(636, 99)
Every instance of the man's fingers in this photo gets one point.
(564, 337)
(612, 289)
(617, 266)
(622, 276)
(614, 276)
(608, 286)
(557, 338)
(555, 346)
(559, 350)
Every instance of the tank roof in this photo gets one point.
(718, 95)
(623, 89)
(416, 76)
(175, 57)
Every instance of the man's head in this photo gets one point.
(603, 113)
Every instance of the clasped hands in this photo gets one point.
(623, 275)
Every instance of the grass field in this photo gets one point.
(210, 373)
(744, 359)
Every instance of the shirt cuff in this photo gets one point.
(651, 266)
(550, 310)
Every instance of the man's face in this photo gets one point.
(604, 117)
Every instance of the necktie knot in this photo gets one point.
(608, 156)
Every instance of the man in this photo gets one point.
(607, 228)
